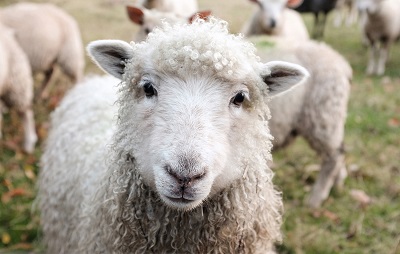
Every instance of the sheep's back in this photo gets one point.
(387, 23)
(74, 157)
(325, 104)
(43, 30)
(318, 107)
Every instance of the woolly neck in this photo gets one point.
(239, 219)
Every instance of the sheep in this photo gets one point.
(149, 19)
(381, 27)
(317, 7)
(346, 10)
(183, 166)
(180, 8)
(49, 36)
(273, 18)
(317, 110)
(16, 85)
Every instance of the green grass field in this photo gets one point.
(344, 224)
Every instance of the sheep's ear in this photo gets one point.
(136, 15)
(110, 55)
(294, 3)
(282, 76)
(200, 15)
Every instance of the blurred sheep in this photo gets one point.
(150, 19)
(182, 8)
(49, 36)
(16, 85)
(345, 12)
(273, 18)
(381, 28)
(316, 110)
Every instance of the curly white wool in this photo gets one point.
(114, 185)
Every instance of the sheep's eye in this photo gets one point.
(238, 99)
(147, 30)
(149, 89)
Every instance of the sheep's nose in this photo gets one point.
(273, 23)
(184, 179)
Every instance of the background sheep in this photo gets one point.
(317, 111)
(187, 169)
(317, 7)
(149, 19)
(381, 28)
(49, 36)
(345, 12)
(181, 8)
(16, 85)
(273, 18)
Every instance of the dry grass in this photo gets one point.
(344, 225)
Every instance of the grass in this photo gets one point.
(342, 225)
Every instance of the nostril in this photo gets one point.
(199, 176)
(273, 23)
(169, 170)
(184, 180)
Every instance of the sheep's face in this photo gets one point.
(149, 19)
(271, 14)
(187, 126)
(193, 124)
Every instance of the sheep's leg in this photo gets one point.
(322, 25)
(339, 16)
(30, 136)
(1, 119)
(332, 172)
(342, 175)
(382, 58)
(316, 28)
(373, 52)
(44, 94)
(353, 15)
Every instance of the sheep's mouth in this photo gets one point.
(180, 200)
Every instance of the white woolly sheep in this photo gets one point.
(345, 12)
(182, 168)
(382, 29)
(49, 36)
(181, 8)
(317, 110)
(150, 19)
(16, 85)
(273, 18)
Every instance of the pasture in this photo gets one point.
(362, 218)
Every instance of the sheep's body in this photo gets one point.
(381, 28)
(273, 18)
(49, 36)
(316, 111)
(16, 84)
(181, 8)
(108, 186)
